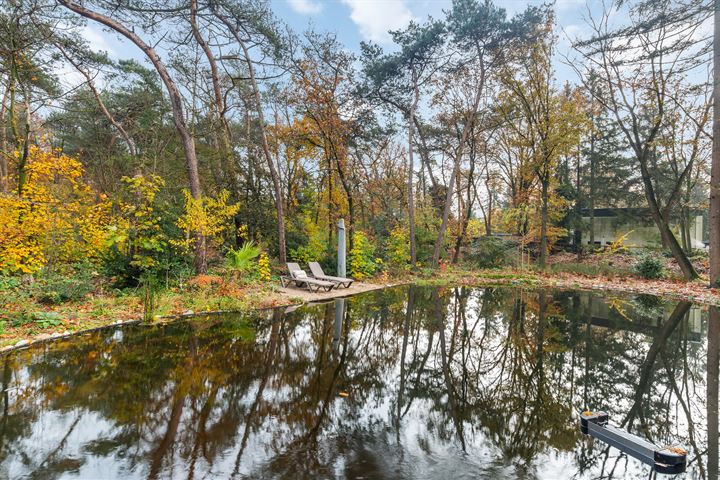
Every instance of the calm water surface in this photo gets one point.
(423, 383)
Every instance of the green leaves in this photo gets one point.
(650, 267)
(242, 258)
(362, 257)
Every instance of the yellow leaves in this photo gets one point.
(617, 245)
(263, 267)
(207, 216)
(58, 218)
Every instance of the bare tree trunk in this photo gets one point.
(469, 121)
(225, 134)
(488, 216)
(685, 229)
(424, 153)
(446, 211)
(713, 372)
(578, 206)
(467, 214)
(714, 220)
(661, 220)
(110, 118)
(544, 223)
(591, 205)
(3, 143)
(411, 174)
(275, 177)
(188, 142)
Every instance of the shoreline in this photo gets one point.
(286, 297)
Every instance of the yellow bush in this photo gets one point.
(207, 216)
(57, 219)
(263, 266)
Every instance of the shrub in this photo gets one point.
(58, 219)
(138, 245)
(47, 319)
(9, 283)
(307, 241)
(398, 249)
(210, 217)
(263, 267)
(491, 252)
(362, 257)
(40, 319)
(650, 267)
(242, 258)
(618, 245)
(58, 288)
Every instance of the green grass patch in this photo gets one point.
(591, 270)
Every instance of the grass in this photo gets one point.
(591, 269)
(22, 315)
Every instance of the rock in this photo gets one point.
(65, 333)
(188, 312)
(43, 336)
(22, 343)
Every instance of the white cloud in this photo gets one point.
(307, 7)
(571, 5)
(375, 17)
(97, 40)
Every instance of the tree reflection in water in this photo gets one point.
(440, 383)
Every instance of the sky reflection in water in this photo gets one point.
(440, 383)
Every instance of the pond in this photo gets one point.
(407, 382)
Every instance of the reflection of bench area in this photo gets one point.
(602, 315)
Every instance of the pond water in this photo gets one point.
(408, 382)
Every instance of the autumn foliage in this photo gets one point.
(58, 218)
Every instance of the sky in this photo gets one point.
(356, 20)
(369, 20)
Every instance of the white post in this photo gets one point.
(341, 271)
(339, 313)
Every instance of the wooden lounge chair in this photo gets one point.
(296, 278)
(318, 273)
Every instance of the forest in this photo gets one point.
(226, 143)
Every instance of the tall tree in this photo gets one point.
(482, 40)
(715, 164)
(547, 122)
(397, 80)
(27, 72)
(322, 94)
(638, 81)
(176, 101)
(251, 25)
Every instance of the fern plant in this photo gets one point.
(242, 258)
